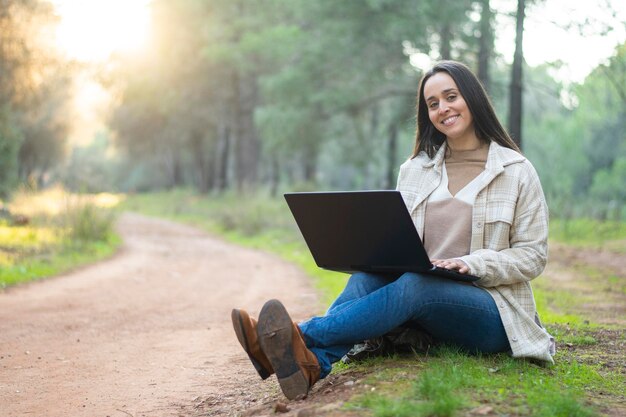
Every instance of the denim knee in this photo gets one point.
(359, 285)
(362, 283)
(417, 291)
(411, 287)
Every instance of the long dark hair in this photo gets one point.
(486, 123)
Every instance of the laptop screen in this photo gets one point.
(364, 229)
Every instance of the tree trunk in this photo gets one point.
(515, 106)
(446, 37)
(170, 158)
(274, 176)
(392, 147)
(485, 45)
(246, 140)
(202, 164)
(310, 166)
(222, 157)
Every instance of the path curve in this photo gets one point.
(146, 333)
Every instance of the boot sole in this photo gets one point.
(243, 340)
(275, 330)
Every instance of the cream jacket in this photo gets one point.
(509, 237)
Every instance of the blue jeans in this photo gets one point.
(372, 305)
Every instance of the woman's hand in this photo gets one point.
(454, 264)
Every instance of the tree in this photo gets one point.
(311, 93)
(32, 93)
(516, 86)
(13, 58)
(578, 145)
(10, 139)
(485, 44)
(45, 127)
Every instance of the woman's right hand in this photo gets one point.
(453, 264)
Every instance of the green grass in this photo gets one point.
(75, 232)
(609, 235)
(56, 260)
(577, 334)
(555, 306)
(447, 382)
(454, 383)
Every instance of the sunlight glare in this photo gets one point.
(548, 36)
(91, 30)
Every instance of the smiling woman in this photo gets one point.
(91, 30)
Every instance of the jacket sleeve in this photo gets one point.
(527, 252)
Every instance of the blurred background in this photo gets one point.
(246, 96)
(206, 111)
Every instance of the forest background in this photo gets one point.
(225, 104)
(299, 95)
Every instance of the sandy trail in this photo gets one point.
(146, 333)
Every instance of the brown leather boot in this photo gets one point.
(297, 368)
(246, 330)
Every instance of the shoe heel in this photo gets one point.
(243, 341)
(294, 386)
(275, 330)
(259, 368)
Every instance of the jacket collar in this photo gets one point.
(498, 158)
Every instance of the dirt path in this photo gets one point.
(146, 333)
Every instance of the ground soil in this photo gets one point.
(595, 279)
(148, 333)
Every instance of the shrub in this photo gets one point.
(86, 222)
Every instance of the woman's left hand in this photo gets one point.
(454, 264)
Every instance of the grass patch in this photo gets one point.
(608, 235)
(57, 260)
(454, 383)
(555, 306)
(64, 232)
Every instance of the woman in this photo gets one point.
(479, 207)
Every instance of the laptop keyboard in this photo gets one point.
(454, 274)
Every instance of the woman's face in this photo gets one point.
(447, 109)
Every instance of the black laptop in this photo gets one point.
(367, 231)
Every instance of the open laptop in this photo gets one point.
(367, 231)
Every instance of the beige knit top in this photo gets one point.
(448, 217)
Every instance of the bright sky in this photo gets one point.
(547, 37)
(90, 30)
(546, 40)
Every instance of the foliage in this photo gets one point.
(64, 232)
(91, 169)
(580, 151)
(233, 95)
(86, 222)
(587, 232)
(316, 92)
(322, 93)
(10, 140)
(34, 89)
